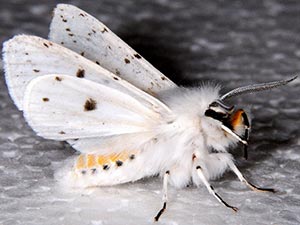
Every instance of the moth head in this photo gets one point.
(235, 122)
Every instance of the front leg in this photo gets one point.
(233, 167)
(211, 189)
(215, 164)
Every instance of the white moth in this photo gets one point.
(128, 121)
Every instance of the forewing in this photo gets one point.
(28, 57)
(109, 144)
(63, 107)
(87, 36)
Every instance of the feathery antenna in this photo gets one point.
(255, 88)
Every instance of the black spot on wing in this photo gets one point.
(90, 105)
(58, 78)
(104, 30)
(80, 73)
(35, 70)
(137, 56)
(45, 99)
(127, 60)
(46, 45)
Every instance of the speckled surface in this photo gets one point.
(231, 42)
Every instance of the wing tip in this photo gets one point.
(17, 38)
(9, 48)
(57, 13)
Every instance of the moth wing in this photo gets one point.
(27, 57)
(112, 144)
(63, 107)
(84, 34)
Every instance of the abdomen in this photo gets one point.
(104, 170)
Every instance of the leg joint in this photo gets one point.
(198, 167)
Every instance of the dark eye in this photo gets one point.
(219, 111)
(216, 115)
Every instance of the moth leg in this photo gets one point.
(233, 167)
(165, 196)
(211, 189)
(246, 134)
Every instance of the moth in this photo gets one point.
(87, 87)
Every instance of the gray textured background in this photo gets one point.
(231, 42)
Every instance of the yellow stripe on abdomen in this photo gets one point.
(93, 162)
(80, 163)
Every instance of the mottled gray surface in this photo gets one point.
(231, 42)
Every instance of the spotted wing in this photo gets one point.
(63, 107)
(27, 57)
(84, 34)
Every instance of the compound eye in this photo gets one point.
(219, 111)
(221, 116)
